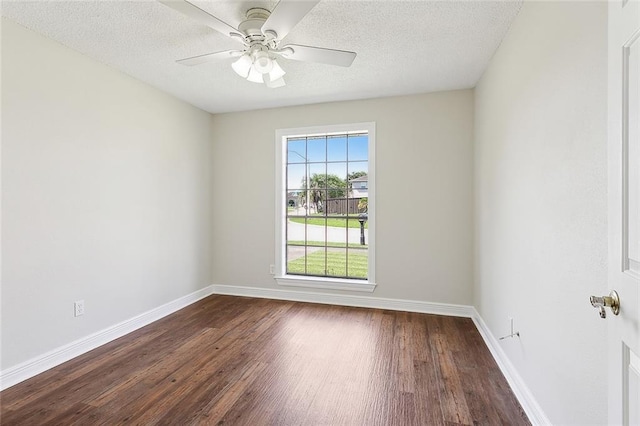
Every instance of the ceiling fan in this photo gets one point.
(261, 33)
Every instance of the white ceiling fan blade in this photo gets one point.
(203, 17)
(210, 57)
(286, 15)
(298, 52)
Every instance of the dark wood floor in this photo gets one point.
(243, 361)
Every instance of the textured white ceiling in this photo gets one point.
(403, 47)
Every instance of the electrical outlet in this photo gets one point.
(272, 269)
(78, 308)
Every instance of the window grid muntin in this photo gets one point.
(325, 216)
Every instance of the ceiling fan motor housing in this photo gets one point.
(252, 26)
(259, 43)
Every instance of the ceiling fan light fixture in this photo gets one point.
(242, 66)
(276, 71)
(255, 76)
(262, 62)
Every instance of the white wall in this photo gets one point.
(424, 216)
(541, 231)
(106, 196)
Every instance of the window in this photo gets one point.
(325, 207)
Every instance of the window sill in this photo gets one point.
(326, 283)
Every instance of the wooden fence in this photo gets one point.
(343, 205)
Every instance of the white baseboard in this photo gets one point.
(37, 365)
(348, 300)
(520, 389)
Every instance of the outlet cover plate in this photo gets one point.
(78, 308)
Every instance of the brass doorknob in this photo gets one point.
(612, 301)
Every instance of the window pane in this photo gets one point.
(358, 147)
(358, 167)
(317, 149)
(294, 203)
(296, 260)
(319, 201)
(296, 150)
(337, 148)
(339, 171)
(336, 232)
(358, 180)
(362, 206)
(336, 191)
(336, 262)
(358, 263)
(296, 176)
(296, 230)
(317, 173)
(355, 232)
(337, 206)
(316, 231)
(316, 261)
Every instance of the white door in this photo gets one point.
(624, 211)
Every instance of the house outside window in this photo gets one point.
(359, 187)
(325, 207)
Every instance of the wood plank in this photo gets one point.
(245, 361)
(428, 409)
(452, 397)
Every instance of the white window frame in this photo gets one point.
(281, 277)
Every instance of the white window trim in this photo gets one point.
(281, 276)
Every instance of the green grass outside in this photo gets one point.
(336, 264)
(337, 223)
(329, 244)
